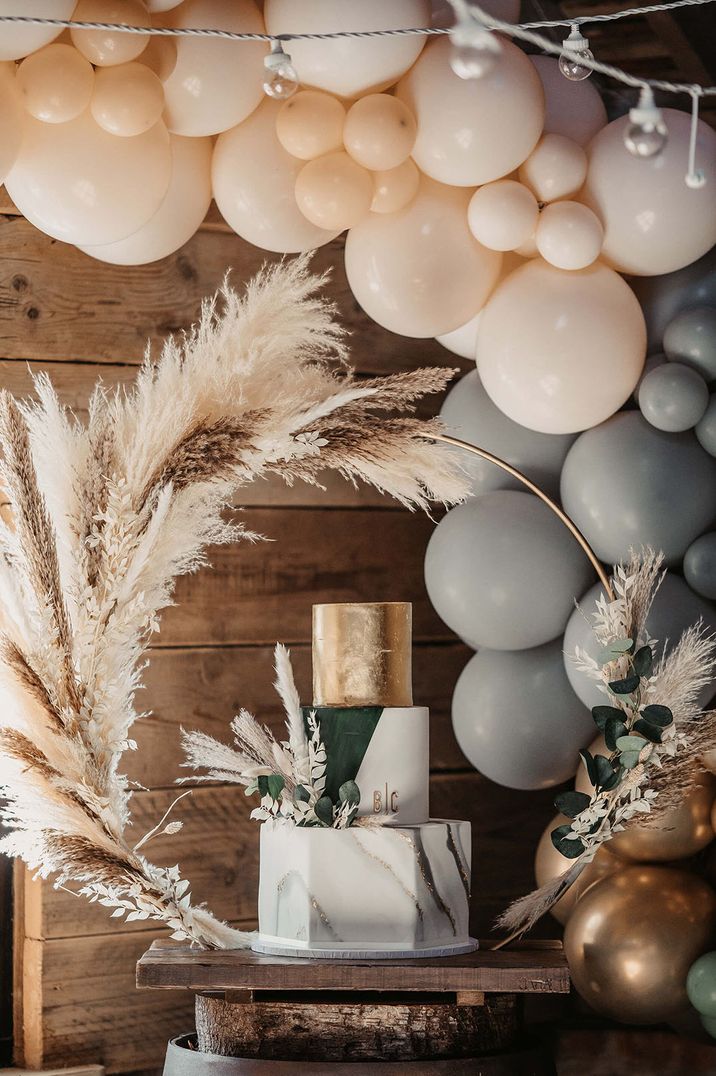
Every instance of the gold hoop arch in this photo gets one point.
(562, 516)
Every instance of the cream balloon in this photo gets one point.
(162, 5)
(311, 124)
(653, 222)
(104, 48)
(127, 99)
(80, 184)
(379, 132)
(12, 119)
(254, 179)
(349, 67)
(55, 83)
(20, 40)
(419, 272)
(160, 56)
(334, 192)
(463, 340)
(556, 168)
(502, 215)
(561, 351)
(569, 235)
(573, 109)
(471, 131)
(549, 864)
(213, 86)
(183, 209)
(396, 188)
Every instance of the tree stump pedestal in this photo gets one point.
(265, 1014)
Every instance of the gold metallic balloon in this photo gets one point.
(679, 834)
(632, 939)
(709, 760)
(549, 863)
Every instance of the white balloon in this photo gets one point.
(183, 209)
(574, 109)
(349, 67)
(12, 119)
(419, 272)
(556, 168)
(471, 131)
(82, 185)
(215, 84)
(569, 235)
(18, 41)
(254, 179)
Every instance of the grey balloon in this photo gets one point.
(675, 608)
(706, 429)
(662, 297)
(517, 719)
(470, 414)
(673, 397)
(691, 338)
(626, 484)
(502, 571)
(700, 565)
(652, 361)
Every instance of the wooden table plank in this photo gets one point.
(541, 970)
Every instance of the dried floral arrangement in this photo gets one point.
(653, 728)
(105, 516)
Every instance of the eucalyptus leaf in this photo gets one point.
(629, 759)
(613, 730)
(614, 649)
(572, 803)
(643, 660)
(589, 766)
(629, 743)
(647, 730)
(324, 811)
(570, 847)
(275, 785)
(625, 686)
(301, 794)
(661, 716)
(606, 775)
(349, 792)
(262, 783)
(602, 714)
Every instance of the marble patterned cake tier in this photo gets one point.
(366, 890)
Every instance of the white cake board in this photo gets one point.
(281, 947)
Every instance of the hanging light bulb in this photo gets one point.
(474, 49)
(646, 134)
(281, 79)
(695, 178)
(576, 48)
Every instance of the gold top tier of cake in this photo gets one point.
(362, 654)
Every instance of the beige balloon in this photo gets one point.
(160, 56)
(12, 119)
(502, 215)
(556, 168)
(80, 184)
(549, 864)
(349, 67)
(653, 222)
(379, 132)
(420, 272)
(334, 192)
(254, 179)
(632, 938)
(573, 109)
(21, 40)
(104, 48)
(396, 188)
(56, 83)
(183, 209)
(311, 124)
(472, 131)
(569, 235)
(561, 351)
(213, 86)
(463, 340)
(127, 99)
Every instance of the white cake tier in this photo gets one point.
(365, 890)
(394, 775)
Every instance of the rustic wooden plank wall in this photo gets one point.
(76, 318)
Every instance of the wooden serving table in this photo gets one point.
(459, 1014)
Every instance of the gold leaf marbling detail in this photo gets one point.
(459, 862)
(390, 870)
(427, 875)
(281, 885)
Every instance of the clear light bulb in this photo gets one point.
(695, 180)
(646, 134)
(475, 51)
(576, 47)
(281, 79)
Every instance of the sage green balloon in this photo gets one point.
(663, 297)
(691, 338)
(469, 413)
(626, 484)
(706, 429)
(673, 397)
(517, 719)
(652, 361)
(503, 571)
(701, 987)
(700, 565)
(675, 608)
